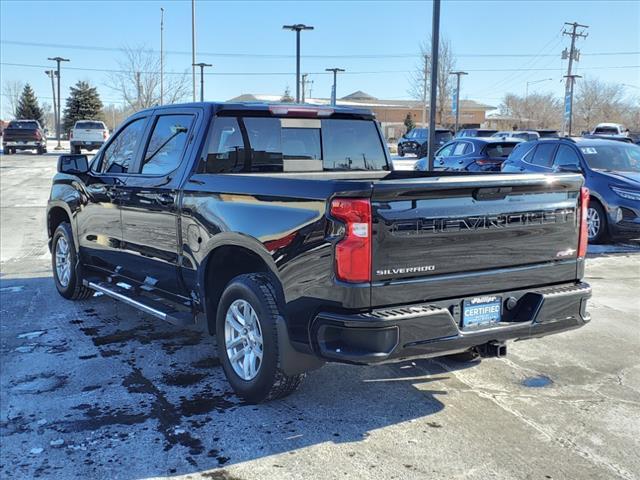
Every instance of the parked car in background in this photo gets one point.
(88, 134)
(471, 155)
(612, 175)
(635, 137)
(526, 135)
(619, 138)
(610, 129)
(475, 132)
(416, 140)
(24, 135)
(547, 133)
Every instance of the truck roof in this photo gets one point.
(278, 109)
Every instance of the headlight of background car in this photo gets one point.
(628, 194)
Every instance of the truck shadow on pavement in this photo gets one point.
(97, 389)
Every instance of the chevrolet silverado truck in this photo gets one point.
(283, 231)
(24, 135)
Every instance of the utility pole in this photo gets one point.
(161, 56)
(51, 74)
(304, 85)
(435, 45)
(572, 80)
(202, 65)
(425, 72)
(193, 47)
(456, 100)
(58, 60)
(335, 80)
(572, 55)
(298, 27)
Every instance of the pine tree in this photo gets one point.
(83, 103)
(28, 108)
(408, 122)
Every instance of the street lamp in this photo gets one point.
(333, 89)
(52, 74)
(298, 27)
(526, 96)
(58, 60)
(202, 65)
(457, 102)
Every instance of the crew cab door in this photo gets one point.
(150, 199)
(98, 221)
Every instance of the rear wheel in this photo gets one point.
(64, 260)
(247, 339)
(41, 151)
(76, 150)
(400, 151)
(596, 223)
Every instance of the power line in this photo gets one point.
(273, 56)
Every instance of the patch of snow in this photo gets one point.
(14, 289)
(36, 451)
(26, 348)
(57, 443)
(30, 335)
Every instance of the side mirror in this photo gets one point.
(73, 164)
(569, 168)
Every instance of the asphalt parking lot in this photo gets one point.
(96, 389)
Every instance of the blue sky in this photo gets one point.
(389, 31)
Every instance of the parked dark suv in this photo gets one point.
(416, 141)
(612, 175)
(471, 155)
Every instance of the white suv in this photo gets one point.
(88, 134)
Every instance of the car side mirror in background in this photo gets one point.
(73, 164)
(569, 168)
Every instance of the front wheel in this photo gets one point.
(63, 261)
(246, 332)
(596, 223)
(400, 151)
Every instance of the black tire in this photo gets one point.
(400, 151)
(41, 151)
(602, 234)
(270, 382)
(73, 290)
(76, 150)
(9, 151)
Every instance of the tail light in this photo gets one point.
(584, 235)
(104, 134)
(70, 134)
(353, 252)
(38, 135)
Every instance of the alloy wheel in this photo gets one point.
(243, 339)
(63, 261)
(593, 222)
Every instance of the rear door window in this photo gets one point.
(460, 149)
(446, 151)
(500, 150)
(543, 155)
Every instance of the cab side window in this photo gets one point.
(119, 156)
(543, 155)
(167, 144)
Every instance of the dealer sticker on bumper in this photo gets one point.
(481, 311)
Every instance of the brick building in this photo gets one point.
(391, 113)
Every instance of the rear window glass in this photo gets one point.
(443, 137)
(267, 144)
(90, 125)
(417, 133)
(500, 150)
(606, 130)
(26, 125)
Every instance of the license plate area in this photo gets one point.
(478, 312)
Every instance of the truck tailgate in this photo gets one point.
(475, 227)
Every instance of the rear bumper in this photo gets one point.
(433, 329)
(87, 145)
(24, 144)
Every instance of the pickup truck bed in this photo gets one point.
(293, 269)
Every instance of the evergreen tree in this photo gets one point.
(408, 122)
(28, 108)
(83, 103)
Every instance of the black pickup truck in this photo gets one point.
(24, 135)
(282, 230)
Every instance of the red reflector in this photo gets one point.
(353, 252)
(584, 235)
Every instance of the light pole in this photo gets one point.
(526, 95)
(51, 74)
(569, 107)
(58, 60)
(335, 78)
(435, 41)
(298, 27)
(202, 65)
(193, 47)
(161, 55)
(458, 74)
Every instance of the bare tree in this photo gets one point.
(138, 80)
(11, 91)
(446, 64)
(597, 101)
(535, 111)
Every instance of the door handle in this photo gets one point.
(164, 199)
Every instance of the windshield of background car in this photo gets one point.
(417, 133)
(24, 125)
(618, 158)
(90, 125)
